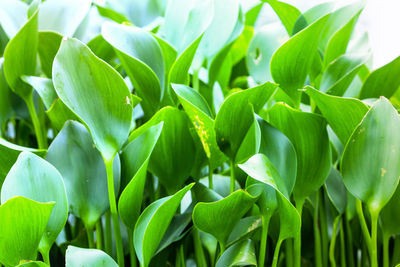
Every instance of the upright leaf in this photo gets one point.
(240, 254)
(291, 63)
(22, 224)
(83, 172)
(35, 178)
(153, 223)
(135, 159)
(49, 42)
(96, 93)
(308, 134)
(287, 13)
(371, 160)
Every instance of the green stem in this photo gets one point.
(221, 248)
(132, 249)
(114, 213)
(349, 240)
(396, 250)
(90, 236)
(363, 224)
(333, 242)
(289, 252)
(196, 82)
(324, 229)
(198, 249)
(374, 238)
(386, 239)
(263, 242)
(99, 235)
(342, 246)
(182, 256)
(41, 138)
(297, 239)
(107, 233)
(317, 234)
(45, 255)
(276, 253)
(210, 176)
(232, 176)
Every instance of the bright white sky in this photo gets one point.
(381, 18)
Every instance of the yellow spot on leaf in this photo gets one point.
(383, 171)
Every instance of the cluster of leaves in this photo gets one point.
(185, 133)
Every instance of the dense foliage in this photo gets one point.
(189, 133)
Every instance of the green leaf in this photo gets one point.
(83, 257)
(35, 178)
(235, 116)
(340, 73)
(259, 55)
(278, 148)
(83, 172)
(240, 254)
(220, 217)
(101, 48)
(153, 223)
(12, 16)
(308, 134)
(343, 114)
(312, 15)
(200, 114)
(49, 43)
(44, 87)
(291, 63)
(171, 161)
(8, 155)
(336, 190)
(59, 113)
(135, 159)
(33, 264)
(96, 93)
(186, 20)
(22, 224)
(244, 228)
(382, 81)
(5, 97)
(287, 13)
(389, 215)
(20, 57)
(376, 136)
(142, 59)
(63, 16)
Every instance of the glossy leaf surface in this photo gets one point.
(79, 257)
(240, 254)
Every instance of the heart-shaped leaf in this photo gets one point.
(308, 134)
(372, 153)
(79, 257)
(83, 172)
(152, 224)
(220, 217)
(96, 93)
(22, 224)
(135, 159)
(35, 178)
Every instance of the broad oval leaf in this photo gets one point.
(83, 172)
(135, 159)
(35, 178)
(343, 114)
(141, 57)
(308, 134)
(291, 63)
(240, 254)
(22, 224)
(175, 141)
(220, 217)
(96, 93)
(153, 223)
(235, 116)
(371, 160)
(83, 257)
(20, 57)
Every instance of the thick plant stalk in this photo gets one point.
(107, 233)
(99, 235)
(289, 252)
(90, 236)
(297, 239)
(263, 242)
(349, 242)
(132, 249)
(276, 252)
(40, 135)
(374, 238)
(324, 229)
(198, 249)
(342, 246)
(114, 213)
(363, 224)
(317, 233)
(386, 239)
